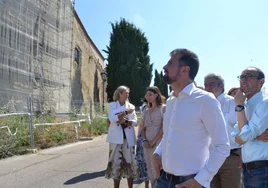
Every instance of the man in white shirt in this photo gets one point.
(251, 130)
(229, 175)
(193, 122)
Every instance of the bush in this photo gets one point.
(44, 136)
(99, 126)
(7, 146)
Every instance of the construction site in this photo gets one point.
(35, 55)
(52, 77)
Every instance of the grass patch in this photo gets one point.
(44, 136)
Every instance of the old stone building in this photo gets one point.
(47, 55)
(88, 85)
(35, 51)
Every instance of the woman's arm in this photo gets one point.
(145, 142)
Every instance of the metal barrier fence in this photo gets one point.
(65, 118)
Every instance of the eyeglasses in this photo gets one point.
(246, 77)
(210, 84)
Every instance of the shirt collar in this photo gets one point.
(119, 105)
(221, 96)
(187, 90)
(256, 97)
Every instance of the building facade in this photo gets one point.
(47, 55)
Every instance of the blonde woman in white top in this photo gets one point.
(122, 139)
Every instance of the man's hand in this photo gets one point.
(157, 164)
(240, 97)
(263, 137)
(191, 183)
(239, 140)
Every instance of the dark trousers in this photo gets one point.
(255, 177)
(168, 181)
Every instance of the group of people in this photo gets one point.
(202, 137)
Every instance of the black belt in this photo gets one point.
(256, 164)
(172, 177)
(235, 151)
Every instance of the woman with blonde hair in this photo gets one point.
(122, 139)
(152, 128)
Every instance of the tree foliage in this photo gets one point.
(160, 83)
(128, 61)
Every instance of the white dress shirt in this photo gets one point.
(193, 120)
(228, 109)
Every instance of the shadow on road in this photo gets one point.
(84, 177)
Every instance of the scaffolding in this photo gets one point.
(35, 54)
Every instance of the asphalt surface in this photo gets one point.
(80, 165)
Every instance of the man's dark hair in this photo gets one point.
(188, 58)
(260, 73)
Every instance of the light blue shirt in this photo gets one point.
(257, 116)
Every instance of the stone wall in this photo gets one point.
(87, 83)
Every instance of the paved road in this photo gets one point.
(80, 165)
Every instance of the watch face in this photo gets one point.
(239, 108)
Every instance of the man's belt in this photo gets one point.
(256, 164)
(236, 151)
(172, 177)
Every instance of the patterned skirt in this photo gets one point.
(143, 174)
(121, 162)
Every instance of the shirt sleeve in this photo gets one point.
(233, 117)
(235, 132)
(112, 114)
(214, 123)
(257, 124)
(158, 149)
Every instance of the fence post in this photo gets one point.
(90, 120)
(31, 130)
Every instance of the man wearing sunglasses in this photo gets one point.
(252, 116)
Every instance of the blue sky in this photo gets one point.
(227, 35)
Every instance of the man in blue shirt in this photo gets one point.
(252, 116)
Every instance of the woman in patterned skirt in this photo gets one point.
(122, 139)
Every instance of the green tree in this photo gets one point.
(128, 60)
(164, 86)
(160, 82)
(157, 81)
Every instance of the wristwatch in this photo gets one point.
(239, 108)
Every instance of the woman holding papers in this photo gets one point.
(122, 139)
